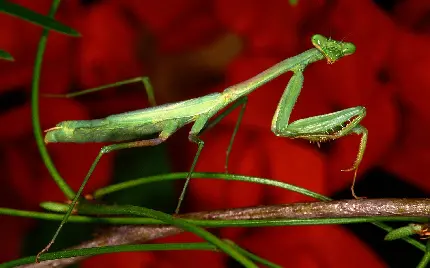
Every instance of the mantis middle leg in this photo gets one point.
(240, 102)
(319, 128)
(200, 126)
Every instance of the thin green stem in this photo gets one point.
(183, 224)
(203, 175)
(110, 249)
(62, 184)
(253, 256)
(132, 248)
(426, 258)
(78, 219)
(203, 223)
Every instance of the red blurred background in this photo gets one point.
(190, 48)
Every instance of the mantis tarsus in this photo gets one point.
(167, 119)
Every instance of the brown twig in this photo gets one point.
(134, 234)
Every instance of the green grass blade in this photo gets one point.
(36, 18)
(62, 184)
(5, 55)
(132, 248)
(76, 218)
(204, 175)
(426, 258)
(110, 249)
(183, 224)
(253, 256)
(140, 211)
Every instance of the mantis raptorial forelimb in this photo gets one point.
(320, 128)
(165, 120)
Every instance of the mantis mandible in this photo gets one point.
(166, 119)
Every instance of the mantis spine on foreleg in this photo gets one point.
(168, 118)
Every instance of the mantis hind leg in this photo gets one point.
(143, 79)
(106, 149)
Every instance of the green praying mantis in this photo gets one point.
(129, 128)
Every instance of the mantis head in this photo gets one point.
(332, 49)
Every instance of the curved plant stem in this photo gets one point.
(227, 248)
(183, 224)
(78, 218)
(426, 258)
(205, 175)
(253, 256)
(86, 252)
(62, 184)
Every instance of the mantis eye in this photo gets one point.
(348, 49)
(318, 40)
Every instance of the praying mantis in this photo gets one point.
(164, 120)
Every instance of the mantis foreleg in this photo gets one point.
(319, 128)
